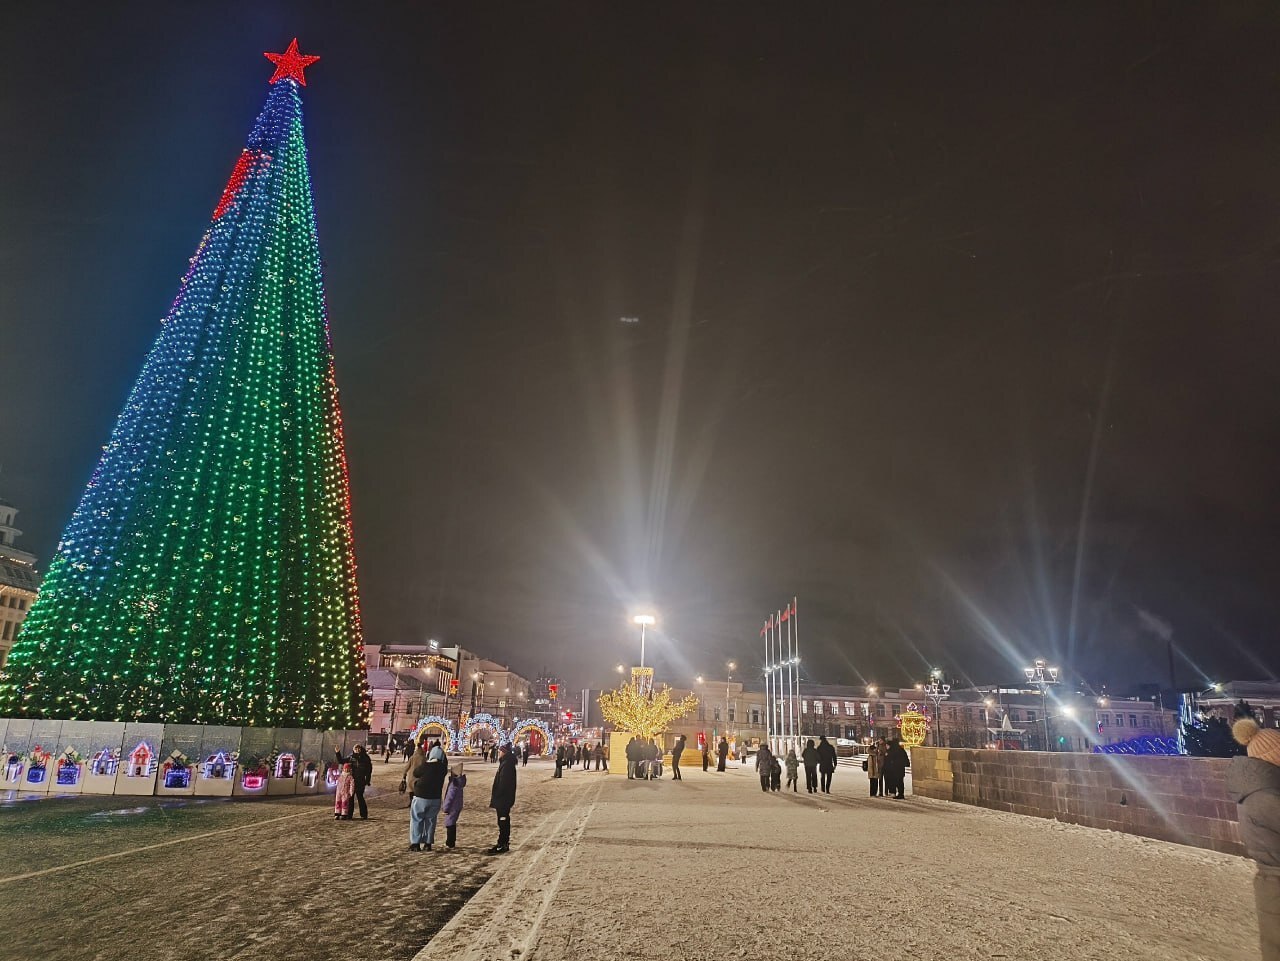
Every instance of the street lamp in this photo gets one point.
(731, 667)
(644, 620)
(1041, 675)
(937, 692)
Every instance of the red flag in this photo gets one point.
(795, 608)
(769, 623)
(786, 614)
(764, 630)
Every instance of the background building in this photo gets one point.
(19, 581)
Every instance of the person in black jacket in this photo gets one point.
(764, 766)
(429, 769)
(896, 762)
(503, 798)
(362, 770)
(810, 758)
(826, 762)
(722, 753)
(675, 758)
(559, 762)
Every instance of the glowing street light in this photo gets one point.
(1041, 675)
(644, 620)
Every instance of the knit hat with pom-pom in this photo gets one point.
(1260, 742)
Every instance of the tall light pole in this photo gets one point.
(732, 666)
(1041, 675)
(937, 692)
(644, 620)
(872, 690)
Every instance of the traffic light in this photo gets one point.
(453, 685)
(554, 689)
(568, 715)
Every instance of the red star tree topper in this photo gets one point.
(290, 64)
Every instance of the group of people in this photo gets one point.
(644, 760)
(437, 787)
(567, 755)
(886, 766)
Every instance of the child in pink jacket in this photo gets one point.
(345, 792)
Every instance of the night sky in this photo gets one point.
(955, 320)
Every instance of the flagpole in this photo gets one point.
(791, 682)
(768, 681)
(782, 685)
(786, 686)
(795, 661)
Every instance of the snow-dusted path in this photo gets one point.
(711, 867)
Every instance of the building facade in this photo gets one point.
(412, 681)
(19, 581)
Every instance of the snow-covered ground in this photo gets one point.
(711, 867)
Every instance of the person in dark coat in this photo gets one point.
(452, 804)
(362, 771)
(675, 758)
(1254, 782)
(524, 755)
(598, 753)
(764, 766)
(810, 758)
(503, 798)
(722, 754)
(706, 755)
(826, 762)
(632, 758)
(896, 762)
(559, 761)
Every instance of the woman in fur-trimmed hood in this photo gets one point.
(1254, 782)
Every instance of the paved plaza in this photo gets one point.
(606, 868)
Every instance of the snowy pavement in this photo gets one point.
(711, 867)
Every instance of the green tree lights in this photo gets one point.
(208, 573)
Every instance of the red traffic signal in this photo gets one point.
(554, 689)
(453, 685)
(568, 715)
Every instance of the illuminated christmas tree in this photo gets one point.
(208, 574)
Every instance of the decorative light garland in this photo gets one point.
(522, 727)
(208, 573)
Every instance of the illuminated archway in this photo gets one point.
(520, 728)
(435, 724)
(481, 722)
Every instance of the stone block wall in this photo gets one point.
(1180, 799)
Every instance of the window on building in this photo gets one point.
(1031, 717)
(715, 713)
(755, 717)
(879, 710)
(804, 707)
(1146, 720)
(1133, 720)
(850, 709)
(817, 707)
(386, 707)
(732, 710)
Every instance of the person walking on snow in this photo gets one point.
(599, 756)
(722, 754)
(706, 756)
(524, 755)
(452, 805)
(764, 766)
(793, 770)
(826, 762)
(428, 768)
(810, 757)
(503, 798)
(1254, 782)
(675, 758)
(559, 762)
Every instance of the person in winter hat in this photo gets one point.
(452, 806)
(793, 769)
(1254, 781)
(345, 792)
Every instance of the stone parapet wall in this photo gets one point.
(1179, 799)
